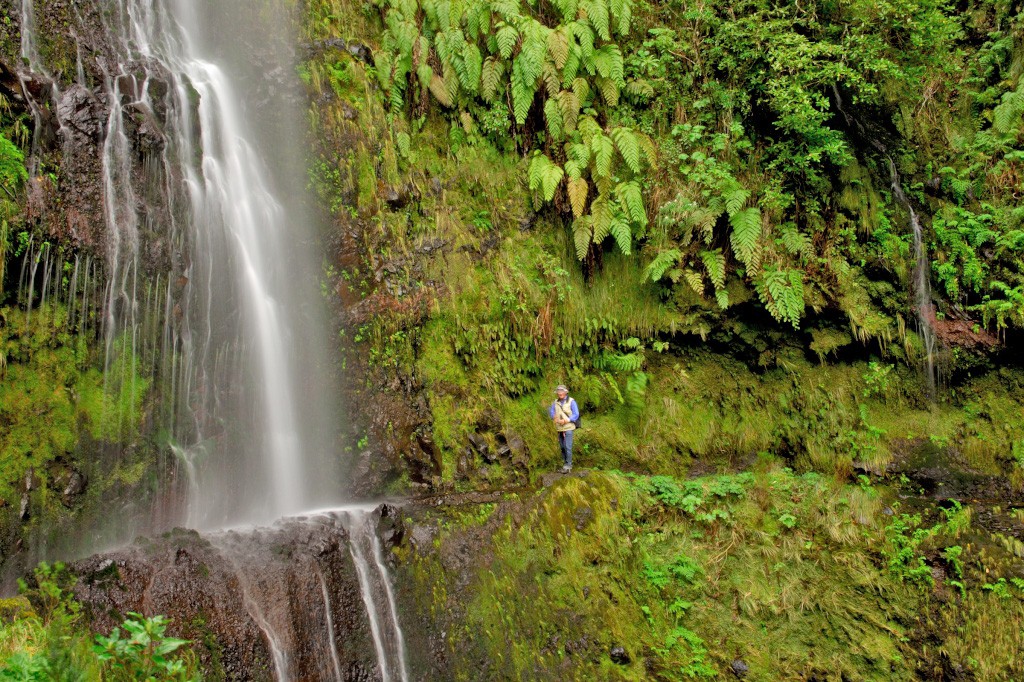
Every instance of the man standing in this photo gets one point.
(566, 414)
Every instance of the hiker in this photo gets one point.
(566, 415)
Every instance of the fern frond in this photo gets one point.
(553, 117)
(661, 264)
(602, 148)
(714, 263)
(597, 14)
(473, 65)
(746, 232)
(639, 90)
(694, 280)
(439, 90)
(632, 202)
(782, 292)
(490, 78)
(577, 191)
(622, 234)
(509, 9)
(581, 88)
(582, 235)
(579, 153)
(523, 90)
(603, 216)
(629, 147)
(507, 38)
(735, 198)
(544, 175)
(569, 107)
(609, 91)
(552, 82)
(558, 47)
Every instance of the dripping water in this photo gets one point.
(921, 280)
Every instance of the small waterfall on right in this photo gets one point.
(378, 594)
(921, 279)
(921, 285)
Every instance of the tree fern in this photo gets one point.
(746, 231)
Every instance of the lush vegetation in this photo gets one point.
(794, 577)
(43, 638)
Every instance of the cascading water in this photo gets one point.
(239, 322)
(211, 294)
(921, 284)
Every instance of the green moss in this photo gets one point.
(786, 572)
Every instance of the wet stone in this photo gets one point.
(619, 655)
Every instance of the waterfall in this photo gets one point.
(921, 284)
(921, 280)
(211, 293)
(268, 589)
(378, 596)
(251, 426)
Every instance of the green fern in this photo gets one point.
(746, 233)
(661, 264)
(629, 147)
(714, 263)
(544, 176)
(782, 292)
(621, 232)
(632, 202)
(507, 37)
(582, 235)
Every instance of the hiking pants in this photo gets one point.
(565, 444)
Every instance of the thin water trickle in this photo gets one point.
(375, 583)
(924, 309)
(921, 283)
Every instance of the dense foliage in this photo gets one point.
(43, 637)
(773, 127)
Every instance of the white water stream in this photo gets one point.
(211, 287)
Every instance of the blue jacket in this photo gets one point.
(574, 410)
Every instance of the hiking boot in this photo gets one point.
(566, 468)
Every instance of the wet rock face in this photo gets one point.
(257, 602)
